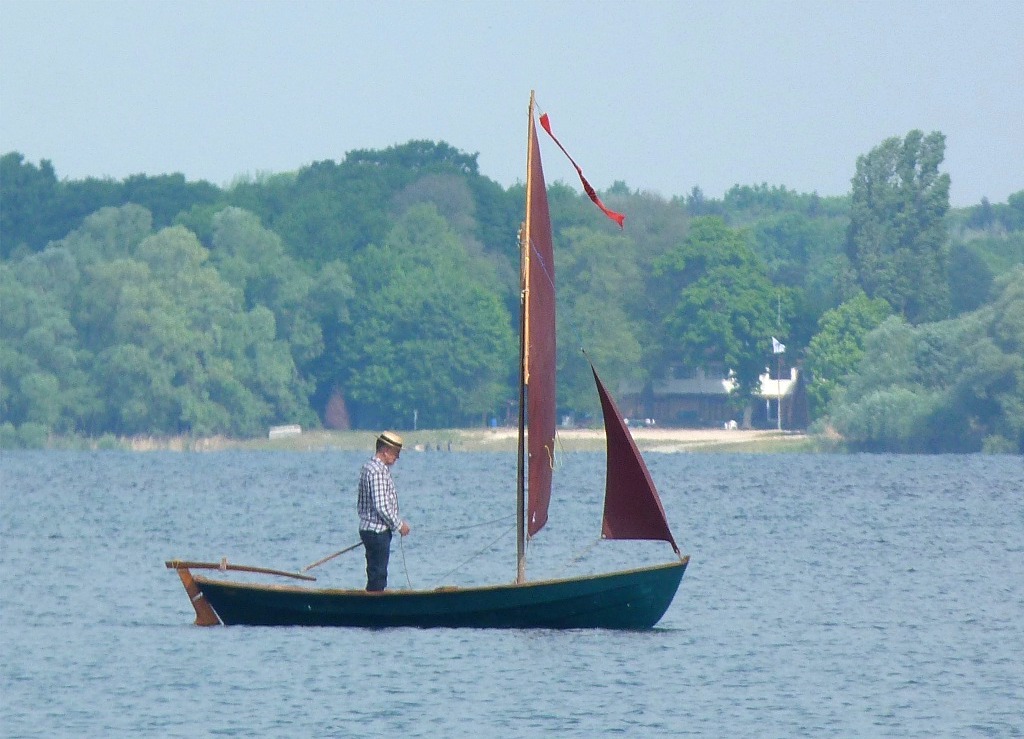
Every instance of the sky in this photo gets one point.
(663, 95)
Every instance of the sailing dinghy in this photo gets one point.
(630, 599)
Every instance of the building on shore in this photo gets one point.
(700, 398)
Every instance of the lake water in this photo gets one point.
(826, 596)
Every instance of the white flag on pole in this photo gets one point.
(777, 346)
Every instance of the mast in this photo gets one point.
(524, 374)
(537, 426)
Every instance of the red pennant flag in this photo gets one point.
(617, 217)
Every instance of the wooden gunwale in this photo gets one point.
(442, 589)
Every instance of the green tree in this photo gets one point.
(253, 259)
(900, 400)
(108, 234)
(594, 271)
(897, 241)
(431, 341)
(39, 339)
(36, 208)
(165, 196)
(991, 389)
(417, 156)
(211, 325)
(79, 199)
(970, 279)
(948, 386)
(806, 255)
(330, 301)
(719, 304)
(838, 346)
(1008, 216)
(28, 204)
(333, 211)
(41, 362)
(498, 213)
(654, 227)
(114, 330)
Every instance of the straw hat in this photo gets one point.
(391, 439)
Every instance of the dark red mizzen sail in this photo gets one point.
(632, 508)
(540, 405)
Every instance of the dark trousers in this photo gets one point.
(378, 551)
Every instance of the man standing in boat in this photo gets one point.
(378, 509)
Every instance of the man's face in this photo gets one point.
(390, 455)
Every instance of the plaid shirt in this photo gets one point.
(378, 499)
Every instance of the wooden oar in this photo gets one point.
(329, 557)
(177, 564)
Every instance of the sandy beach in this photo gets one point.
(502, 439)
(647, 439)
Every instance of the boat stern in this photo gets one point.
(205, 615)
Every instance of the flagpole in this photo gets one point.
(777, 348)
(778, 381)
(778, 359)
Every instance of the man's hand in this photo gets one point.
(404, 531)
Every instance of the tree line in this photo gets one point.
(382, 290)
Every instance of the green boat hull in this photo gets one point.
(633, 599)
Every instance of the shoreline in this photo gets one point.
(653, 440)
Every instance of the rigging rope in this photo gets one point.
(477, 554)
(470, 526)
(401, 545)
(582, 554)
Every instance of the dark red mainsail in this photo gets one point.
(540, 332)
(632, 508)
